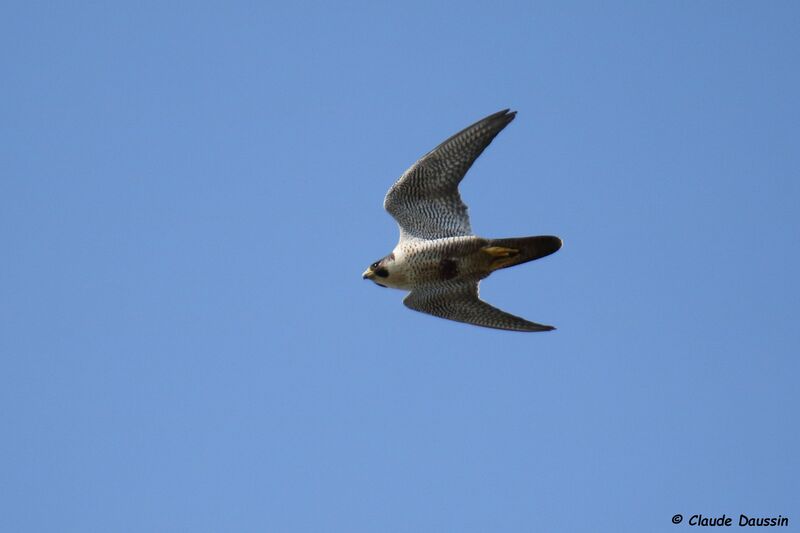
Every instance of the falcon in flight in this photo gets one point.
(438, 258)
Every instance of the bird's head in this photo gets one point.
(380, 271)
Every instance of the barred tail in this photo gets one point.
(518, 250)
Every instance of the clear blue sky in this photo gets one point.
(190, 192)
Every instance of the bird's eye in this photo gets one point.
(374, 265)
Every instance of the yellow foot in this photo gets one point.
(501, 257)
(500, 252)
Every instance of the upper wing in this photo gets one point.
(425, 201)
(459, 301)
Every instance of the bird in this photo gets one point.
(438, 258)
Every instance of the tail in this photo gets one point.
(517, 250)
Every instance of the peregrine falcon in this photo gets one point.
(438, 258)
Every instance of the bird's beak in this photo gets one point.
(367, 274)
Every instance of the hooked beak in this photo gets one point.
(368, 274)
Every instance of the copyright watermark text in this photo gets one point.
(728, 521)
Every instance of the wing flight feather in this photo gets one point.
(425, 200)
(458, 300)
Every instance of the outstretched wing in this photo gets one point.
(459, 301)
(425, 201)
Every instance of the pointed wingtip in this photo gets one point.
(505, 114)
